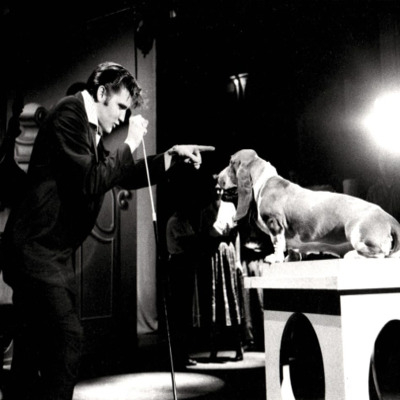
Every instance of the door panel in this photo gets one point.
(109, 339)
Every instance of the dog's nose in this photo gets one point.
(221, 181)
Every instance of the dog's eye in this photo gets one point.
(235, 164)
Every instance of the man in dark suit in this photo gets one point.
(69, 173)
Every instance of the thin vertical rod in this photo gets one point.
(154, 215)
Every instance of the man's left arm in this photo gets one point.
(158, 165)
(187, 153)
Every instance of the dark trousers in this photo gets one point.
(47, 344)
(181, 272)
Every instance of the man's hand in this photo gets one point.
(189, 153)
(137, 129)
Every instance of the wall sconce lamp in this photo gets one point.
(237, 85)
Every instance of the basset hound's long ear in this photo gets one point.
(245, 192)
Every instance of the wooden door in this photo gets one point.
(106, 280)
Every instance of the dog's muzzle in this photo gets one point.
(224, 181)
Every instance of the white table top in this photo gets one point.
(332, 274)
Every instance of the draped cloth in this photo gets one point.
(227, 287)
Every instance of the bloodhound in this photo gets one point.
(308, 221)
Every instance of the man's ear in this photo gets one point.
(101, 94)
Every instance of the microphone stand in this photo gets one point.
(154, 217)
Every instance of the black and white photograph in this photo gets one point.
(200, 199)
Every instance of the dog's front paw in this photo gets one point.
(274, 258)
(270, 259)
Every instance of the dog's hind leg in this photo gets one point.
(371, 238)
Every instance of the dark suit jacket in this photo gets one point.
(68, 178)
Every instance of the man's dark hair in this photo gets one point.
(75, 87)
(114, 77)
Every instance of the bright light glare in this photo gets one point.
(384, 121)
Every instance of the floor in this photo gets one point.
(221, 379)
(155, 378)
(244, 381)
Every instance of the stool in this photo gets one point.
(327, 317)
